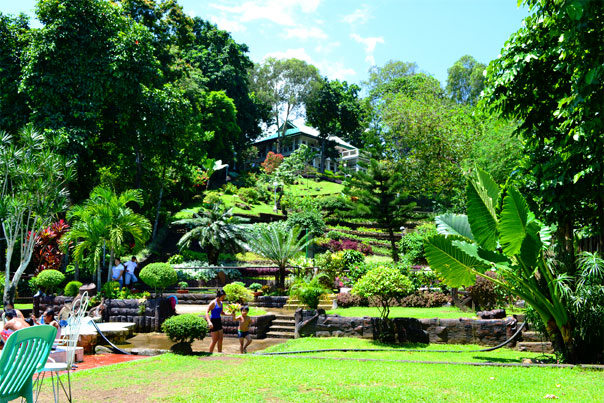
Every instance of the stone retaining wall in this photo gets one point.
(259, 327)
(194, 298)
(156, 311)
(489, 332)
(271, 302)
(42, 303)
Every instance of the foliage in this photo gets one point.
(412, 244)
(212, 198)
(255, 287)
(465, 80)
(158, 276)
(346, 300)
(278, 245)
(348, 244)
(72, 288)
(383, 285)
(49, 280)
(307, 219)
(205, 275)
(185, 328)
(308, 291)
(47, 254)
(182, 285)
(33, 190)
(559, 114)
(237, 293)
(217, 230)
(379, 193)
(271, 162)
(468, 246)
(229, 188)
(425, 299)
(176, 259)
(248, 195)
(485, 294)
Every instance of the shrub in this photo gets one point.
(72, 289)
(49, 280)
(2, 279)
(158, 276)
(185, 328)
(484, 293)
(310, 220)
(272, 162)
(383, 285)
(248, 195)
(188, 255)
(346, 300)
(255, 287)
(176, 259)
(183, 285)
(111, 289)
(237, 293)
(345, 244)
(425, 299)
(229, 188)
(212, 198)
(308, 292)
(412, 245)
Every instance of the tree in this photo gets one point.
(277, 244)
(335, 110)
(378, 193)
(501, 234)
(466, 80)
(550, 78)
(33, 190)
(285, 85)
(105, 217)
(217, 230)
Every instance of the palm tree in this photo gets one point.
(277, 245)
(105, 218)
(216, 230)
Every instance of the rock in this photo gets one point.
(494, 314)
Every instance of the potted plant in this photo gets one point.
(182, 287)
(256, 288)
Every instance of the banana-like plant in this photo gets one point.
(500, 233)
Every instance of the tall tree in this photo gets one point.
(550, 77)
(378, 192)
(465, 80)
(285, 85)
(33, 190)
(335, 110)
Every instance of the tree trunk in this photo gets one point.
(281, 278)
(213, 255)
(98, 277)
(322, 163)
(111, 259)
(9, 294)
(161, 193)
(393, 244)
(76, 274)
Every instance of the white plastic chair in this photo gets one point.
(68, 343)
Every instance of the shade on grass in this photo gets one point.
(444, 312)
(171, 378)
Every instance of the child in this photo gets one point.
(243, 330)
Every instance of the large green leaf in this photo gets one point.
(491, 259)
(456, 266)
(454, 224)
(515, 216)
(489, 184)
(481, 214)
(531, 247)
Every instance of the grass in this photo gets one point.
(444, 312)
(172, 378)
(378, 259)
(395, 352)
(22, 306)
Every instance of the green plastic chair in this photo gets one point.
(25, 351)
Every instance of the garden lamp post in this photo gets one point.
(275, 186)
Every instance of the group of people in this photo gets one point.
(123, 273)
(214, 318)
(14, 320)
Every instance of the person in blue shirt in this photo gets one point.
(213, 316)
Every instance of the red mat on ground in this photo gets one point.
(101, 360)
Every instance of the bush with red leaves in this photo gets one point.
(343, 244)
(46, 250)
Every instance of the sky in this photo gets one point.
(344, 38)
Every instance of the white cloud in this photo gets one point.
(359, 16)
(331, 69)
(305, 33)
(369, 44)
(327, 47)
(281, 12)
(227, 25)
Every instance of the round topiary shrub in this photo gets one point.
(183, 330)
(72, 289)
(49, 280)
(158, 276)
(238, 293)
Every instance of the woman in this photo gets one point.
(117, 272)
(214, 321)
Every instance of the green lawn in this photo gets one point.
(417, 353)
(21, 306)
(445, 312)
(171, 378)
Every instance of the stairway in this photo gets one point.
(534, 342)
(283, 327)
(325, 303)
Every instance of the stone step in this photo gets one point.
(536, 347)
(533, 336)
(280, 335)
(284, 322)
(282, 329)
(284, 317)
(289, 307)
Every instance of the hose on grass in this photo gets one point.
(405, 350)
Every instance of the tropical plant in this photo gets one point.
(278, 245)
(501, 234)
(237, 293)
(49, 280)
(217, 230)
(308, 291)
(47, 254)
(158, 276)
